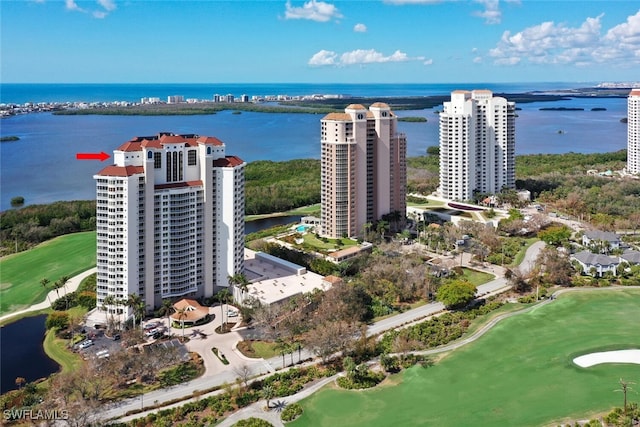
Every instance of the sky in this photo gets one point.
(355, 41)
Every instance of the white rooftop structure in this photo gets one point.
(274, 280)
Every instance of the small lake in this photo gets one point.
(22, 352)
(264, 223)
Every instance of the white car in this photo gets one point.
(85, 344)
(232, 313)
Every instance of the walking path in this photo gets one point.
(53, 295)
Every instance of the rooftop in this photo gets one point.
(273, 280)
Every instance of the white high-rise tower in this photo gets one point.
(633, 132)
(170, 220)
(477, 145)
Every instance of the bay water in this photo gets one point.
(42, 168)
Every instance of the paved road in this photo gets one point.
(72, 285)
(260, 366)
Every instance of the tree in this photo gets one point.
(167, 306)
(433, 150)
(182, 313)
(554, 267)
(56, 319)
(44, 282)
(457, 293)
(555, 235)
(268, 392)
(243, 372)
(517, 280)
(137, 305)
(241, 282)
(223, 296)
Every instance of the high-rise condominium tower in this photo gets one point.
(364, 172)
(477, 145)
(170, 220)
(633, 132)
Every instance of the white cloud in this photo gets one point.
(557, 43)
(324, 57)
(72, 5)
(477, 60)
(108, 5)
(105, 5)
(428, 62)
(360, 56)
(360, 28)
(312, 10)
(491, 13)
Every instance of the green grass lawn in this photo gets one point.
(265, 349)
(311, 240)
(56, 348)
(477, 277)
(20, 274)
(519, 374)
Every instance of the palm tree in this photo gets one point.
(134, 301)
(240, 281)
(62, 283)
(223, 296)
(106, 302)
(182, 313)
(44, 282)
(167, 307)
(267, 393)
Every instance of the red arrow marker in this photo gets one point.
(102, 156)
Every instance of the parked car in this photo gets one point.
(151, 332)
(85, 344)
(232, 313)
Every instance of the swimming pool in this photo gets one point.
(304, 227)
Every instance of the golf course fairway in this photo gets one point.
(520, 373)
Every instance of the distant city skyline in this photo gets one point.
(110, 41)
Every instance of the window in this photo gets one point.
(157, 160)
(191, 157)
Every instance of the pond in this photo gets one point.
(264, 223)
(22, 352)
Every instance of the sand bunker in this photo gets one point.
(619, 356)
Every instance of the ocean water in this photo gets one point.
(19, 93)
(42, 168)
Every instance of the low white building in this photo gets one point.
(274, 280)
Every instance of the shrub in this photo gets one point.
(291, 412)
(17, 201)
(58, 320)
(253, 422)
(367, 379)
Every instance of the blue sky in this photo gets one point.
(368, 41)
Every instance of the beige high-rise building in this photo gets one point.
(633, 132)
(477, 145)
(364, 171)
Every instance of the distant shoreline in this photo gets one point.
(319, 105)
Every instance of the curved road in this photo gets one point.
(260, 366)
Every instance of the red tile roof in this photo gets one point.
(228, 162)
(114, 170)
(178, 185)
(209, 140)
(130, 146)
(635, 92)
(137, 143)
